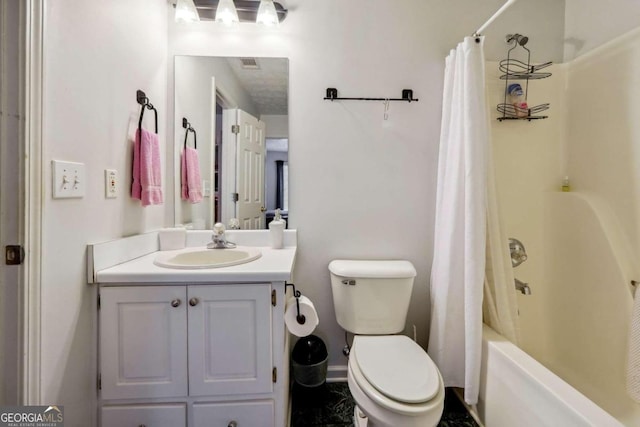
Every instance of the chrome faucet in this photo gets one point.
(218, 240)
(523, 287)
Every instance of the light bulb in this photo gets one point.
(186, 11)
(226, 12)
(267, 14)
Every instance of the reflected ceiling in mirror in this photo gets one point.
(266, 80)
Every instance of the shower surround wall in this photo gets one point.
(528, 159)
(594, 140)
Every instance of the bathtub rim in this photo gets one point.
(572, 399)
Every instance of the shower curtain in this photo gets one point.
(465, 212)
(500, 308)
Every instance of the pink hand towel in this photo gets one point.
(147, 175)
(191, 180)
(184, 185)
(136, 188)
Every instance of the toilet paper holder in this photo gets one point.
(299, 317)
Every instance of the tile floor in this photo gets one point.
(331, 405)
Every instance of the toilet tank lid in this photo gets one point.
(368, 269)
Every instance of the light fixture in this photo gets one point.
(226, 12)
(186, 11)
(267, 14)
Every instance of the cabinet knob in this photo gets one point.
(232, 424)
(193, 302)
(175, 303)
(142, 425)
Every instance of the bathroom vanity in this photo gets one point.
(193, 347)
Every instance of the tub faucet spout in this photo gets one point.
(523, 287)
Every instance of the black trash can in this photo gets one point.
(309, 361)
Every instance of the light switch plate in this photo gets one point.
(68, 179)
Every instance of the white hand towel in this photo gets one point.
(633, 359)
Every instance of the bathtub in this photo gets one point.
(570, 369)
(516, 390)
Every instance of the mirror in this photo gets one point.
(237, 109)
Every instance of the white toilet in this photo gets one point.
(392, 379)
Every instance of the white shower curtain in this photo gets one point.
(461, 225)
(500, 308)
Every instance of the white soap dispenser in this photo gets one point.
(276, 228)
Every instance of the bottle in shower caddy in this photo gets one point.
(516, 98)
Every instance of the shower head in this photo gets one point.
(518, 252)
(518, 38)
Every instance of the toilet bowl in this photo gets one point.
(392, 379)
(394, 383)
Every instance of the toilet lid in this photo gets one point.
(397, 367)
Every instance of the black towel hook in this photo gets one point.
(186, 125)
(142, 99)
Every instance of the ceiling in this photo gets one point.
(268, 86)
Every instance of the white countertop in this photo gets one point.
(273, 265)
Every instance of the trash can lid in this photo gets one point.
(309, 350)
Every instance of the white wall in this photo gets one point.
(591, 23)
(97, 54)
(349, 171)
(277, 126)
(360, 187)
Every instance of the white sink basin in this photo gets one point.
(194, 258)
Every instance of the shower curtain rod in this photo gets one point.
(494, 17)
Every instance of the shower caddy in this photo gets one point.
(515, 69)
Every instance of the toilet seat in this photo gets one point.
(397, 367)
(387, 399)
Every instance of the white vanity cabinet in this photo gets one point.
(143, 341)
(206, 354)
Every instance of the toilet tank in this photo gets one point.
(371, 297)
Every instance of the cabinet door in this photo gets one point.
(238, 414)
(143, 341)
(230, 339)
(165, 415)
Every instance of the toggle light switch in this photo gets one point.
(68, 179)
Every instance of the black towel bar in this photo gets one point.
(407, 96)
